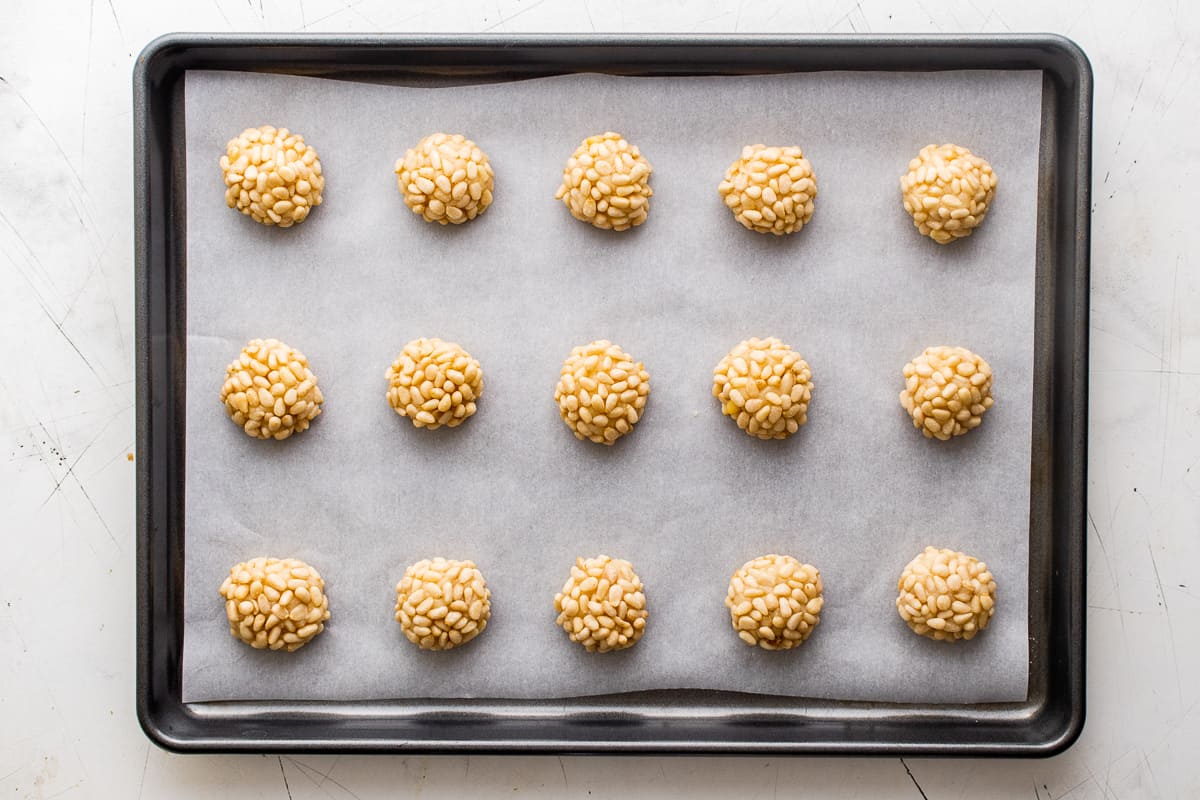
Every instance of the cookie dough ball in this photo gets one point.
(601, 392)
(765, 386)
(946, 595)
(947, 190)
(434, 383)
(770, 189)
(442, 603)
(275, 603)
(775, 602)
(270, 391)
(602, 606)
(446, 179)
(946, 391)
(272, 176)
(607, 182)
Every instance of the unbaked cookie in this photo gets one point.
(765, 387)
(442, 603)
(946, 595)
(601, 392)
(770, 189)
(606, 183)
(946, 391)
(602, 605)
(269, 391)
(775, 602)
(272, 176)
(275, 603)
(434, 383)
(445, 178)
(947, 190)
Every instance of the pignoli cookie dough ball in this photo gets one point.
(446, 179)
(442, 603)
(765, 387)
(770, 189)
(947, 190)
(434, 383)
(601, 392)
(775, 602)
(602, 605)
(946, 595)
(606, 182)
(946, 391)
(269, 390)
(275, 603)
(272, 176)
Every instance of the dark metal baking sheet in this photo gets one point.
(660, 721)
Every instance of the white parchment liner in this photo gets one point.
(687, 497)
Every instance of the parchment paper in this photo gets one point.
(687, 497)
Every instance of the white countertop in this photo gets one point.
(67, 725)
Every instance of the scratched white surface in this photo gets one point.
(67, 726)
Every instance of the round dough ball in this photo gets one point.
(607, 182)
(947, 190)
(601, 392)
(602, 605)
(434, 383)
(275, 603)
(443, 603)
(272, 176)
(765, 386)
(269, 390)
(770, 189)
(775, 602)
(946, 390)
(446, 179)
(946, 595)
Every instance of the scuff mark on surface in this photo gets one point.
(283, 772)
(913, 778)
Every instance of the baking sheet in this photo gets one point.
(687, 497)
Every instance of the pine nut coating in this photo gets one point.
(601, 392)
(947, 190)
(606, 182)
(434, 383)
(275, 603)
(446, 179)
(272, 176)
(442, 603)
(765, 387)
(775, 602)
(946, 391)
(770, 189)
(269, 391)
(946, 595)
(602, 605)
